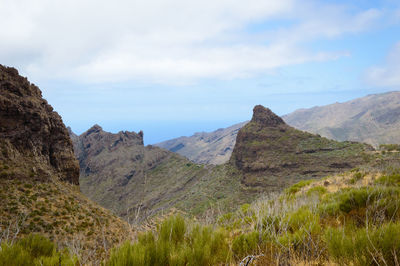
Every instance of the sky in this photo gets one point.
(175, 67)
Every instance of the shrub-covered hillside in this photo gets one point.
(347, 219)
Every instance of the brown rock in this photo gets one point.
(265, 117)
(271, 153)
(32, 135)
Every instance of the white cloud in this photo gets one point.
(165, 41)
(388, 74)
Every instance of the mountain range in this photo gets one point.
(133, 180)
(373, 119)
(62, 195)
(205, 147)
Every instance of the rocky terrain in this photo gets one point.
(374, 119)
(270, 153)
(33, 137)
(137, 181)
(205, 147)
(134, 180)
(39, 176)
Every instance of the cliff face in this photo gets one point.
(39, 174)
(123, 175)
(33, 138)
(271, 153)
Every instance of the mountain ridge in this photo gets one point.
(360, 126)
(129, 178)
(372, 119)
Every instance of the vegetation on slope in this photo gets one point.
(335, 220)
(138, 182)
(349, 218)
(60, 212)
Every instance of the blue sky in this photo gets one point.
(172, 68)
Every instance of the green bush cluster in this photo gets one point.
(245, 244)
(175, 244)
(33, 250)
(317, 190)
(389, 180)
(356, 177)
(356, 199)
(364, 246)
(389, 147)
(296, 187)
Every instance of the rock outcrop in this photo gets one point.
(271, 153)
(33, 138)
(123, 175)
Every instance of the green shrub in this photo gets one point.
(173, 244)
(376, 246)
(296, 187)
(206, 246)
(33, 250)
(302, 218)
(389, 147)
(356, 200)
(389, 180)
(28, 186)
(245, 244)
(173, 229)
(318, 190)
(356, 177)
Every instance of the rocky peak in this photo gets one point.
(33, 138)
(265, 117)
(268, 149)
(94, 129)
(96, 133)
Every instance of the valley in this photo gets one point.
(285, 196)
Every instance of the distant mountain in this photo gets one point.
(374, 119)
(206, 147)
(39, 175)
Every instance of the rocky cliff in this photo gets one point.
(33, 138)
(270, 153)
(133, 180)
(39, 175)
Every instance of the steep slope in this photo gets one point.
(32, 135)
(205, 147)
(137, 181)
(271, 154)
(374, 119)
(133, 180)
(39, 174)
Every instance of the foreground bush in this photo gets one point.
(33, 250)
(175, 244)
(372, 246)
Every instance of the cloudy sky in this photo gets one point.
(174, 67)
